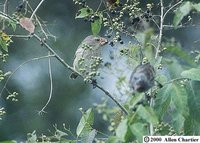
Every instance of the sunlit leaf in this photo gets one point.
(193, 89)
(112, 139)
(183, 10)
(135, 99)
(191, 127)
(96, 26)
(85, 122)
(12, 141)
(196, 7)
(84, 12)
(139, 130)
(179, 100)
(163, 99)
(179, 52)
(13, 25)
(147, 114)
(178, 122)
(91, 136)
(193, 74)
(27, 24)
(5, 37)
(4, 46)
(173, 96)
(123, 132)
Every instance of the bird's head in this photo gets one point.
(95, 41)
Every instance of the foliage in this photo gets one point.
(171, 107)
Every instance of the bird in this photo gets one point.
(142, 78)
(87, 57)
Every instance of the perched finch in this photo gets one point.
(87, 57)
(142, 78)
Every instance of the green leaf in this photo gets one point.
(171, 96)
(13, 25)
(179, 52)
(183, 10)
(192, 73)
(12, 141)
(194, 100)
(112, 139)
(122, 130)
(147, 113)
(3, 45)
(139, 130)
(178, 122)
(179, 100)
(162, 102)
(86, 122)
(196, 7)
(135, 99)
(96, 26)
(84, 12)
(117, 1)
(191, 127)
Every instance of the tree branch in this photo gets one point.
(73, 70)
(36, 9)
(51, 87)
(171, 8)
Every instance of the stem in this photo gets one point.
(171, 8)
(4, 11)
(36, 9)
(151, 130)
(160, 29)
(51, 87)
(162, 17)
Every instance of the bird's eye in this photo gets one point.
(97, 39)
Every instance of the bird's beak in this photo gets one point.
(103, 41)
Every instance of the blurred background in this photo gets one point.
(32, 83)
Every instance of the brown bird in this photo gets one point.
(142, 78)
(88, 55)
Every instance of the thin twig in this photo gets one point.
(174, 80)
(38, 58)
(20, 36)
(51, 87)
(151, 125)
(36, 9)
(99, 6)
(161, 29)
(4, 11)
(38, 21)
(171, 8)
